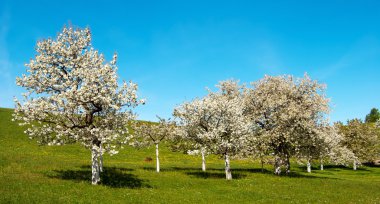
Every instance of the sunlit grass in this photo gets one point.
(61, 174)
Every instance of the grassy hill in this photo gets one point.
(61, 174)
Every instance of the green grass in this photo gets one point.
(61, 174)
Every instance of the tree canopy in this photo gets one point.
(73, 95)
(372, 116)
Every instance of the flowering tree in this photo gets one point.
(256, 147)
(311, 145)
(326, 146)
(73, 96)
(199, 149)
(362, 139)
(334, 150)
(192, 117)
(183, 141)
(148, 134)
(216, 121)
(288, 112)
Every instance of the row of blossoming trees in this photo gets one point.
(276, 118)
(73, 95)
(280, 116)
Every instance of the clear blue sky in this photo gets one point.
(174, 49)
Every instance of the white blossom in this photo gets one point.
(73, 95)
(216, 122)
(289, 112)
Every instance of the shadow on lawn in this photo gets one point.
(238, 173)
(218, 175)
(254, 170)
(111, 177)
(169, 169)
(371, 164)
(306, 175)
(292, 174)
(342, 167)
(249, 170)
(196, 172)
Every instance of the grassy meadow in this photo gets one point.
(30, 173)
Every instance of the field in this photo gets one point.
(30, 173)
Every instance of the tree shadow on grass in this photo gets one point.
(292, 174)
(308, 176)
(330, 166)
(111, 176)
(115, 168)
(208, 169)
(238, 173)
(155, 169)
(254, 170)
(216, 175)
(239, 170)
(167, 169)
(342, 167)
(371, 164)
(196, 172)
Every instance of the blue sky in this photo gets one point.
(174, 49)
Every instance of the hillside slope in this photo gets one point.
(61, 174)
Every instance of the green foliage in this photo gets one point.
(373, 116)
(361, 138)
(30, 173)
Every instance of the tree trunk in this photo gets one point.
(308, 166)
(354, 165)
(157, 159)
(321, 165)
(95, 165)
(100, 158)
(262, 165)
(203, 160)
(228, 169)
(287, 165)
(277, 165)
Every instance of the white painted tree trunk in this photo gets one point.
(308, 166)
(203, 160)
(157, 160)
(287, 165)
(277, 166)
(100, 159)
(354, 165)
(95, 165)
(228, 169)
(321, 165)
